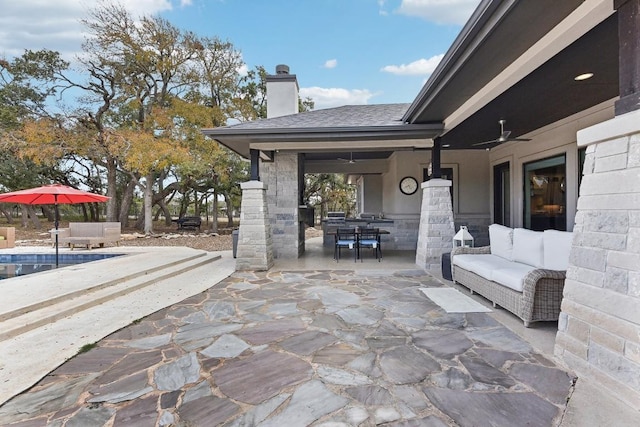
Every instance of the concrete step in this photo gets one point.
(25, 319)
(47, 293)
(22, 365)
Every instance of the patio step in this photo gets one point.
(28, 318)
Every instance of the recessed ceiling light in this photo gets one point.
(584, 76)
(446, 145)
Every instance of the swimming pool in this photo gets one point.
(13, 265)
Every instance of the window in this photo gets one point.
(582, 155)
(545, 202)
(502, 195)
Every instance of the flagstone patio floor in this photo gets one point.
(298, 348)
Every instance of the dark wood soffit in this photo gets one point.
(524, 24)
(549, 93)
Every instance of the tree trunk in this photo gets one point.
(229, 211)
(7, 214)
(127, 200)
(165, 210)
(214, 220)
(112, 186)
(28, 213)
(49, 213)
(148, 204)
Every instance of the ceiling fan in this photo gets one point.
(350, 160)
(504, 136)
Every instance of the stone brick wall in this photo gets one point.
(281, 177)
(435, 234)
(254, 236)
(599, 328)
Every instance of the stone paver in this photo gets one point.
(322, 348)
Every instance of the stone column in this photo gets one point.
(436, 231)
(255, 248)
(283, 194)
(599, 327)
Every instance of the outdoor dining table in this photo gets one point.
(358, 231)
(334, 232)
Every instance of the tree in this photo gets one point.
(30, 145)
(149, 64)
(330, 192)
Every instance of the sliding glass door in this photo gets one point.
(545, 204)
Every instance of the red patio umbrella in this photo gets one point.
(53, 194)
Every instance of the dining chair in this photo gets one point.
(345, 238)
(369, 238)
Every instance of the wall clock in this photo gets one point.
(408, 185)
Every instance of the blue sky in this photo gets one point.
(342, 51)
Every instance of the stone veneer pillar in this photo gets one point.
(436, 230)
(283, 194)
(599, 327)
(255, 248)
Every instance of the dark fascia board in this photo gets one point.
(282, 78)
(239, 141)
(462, 47)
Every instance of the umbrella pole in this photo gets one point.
(55, 198)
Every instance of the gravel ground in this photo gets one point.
(163, 236)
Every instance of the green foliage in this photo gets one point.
(147, 89)
(87, 347)
(329, 192)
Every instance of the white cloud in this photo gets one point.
(335, 97)
(331, 63)
(55, 25)
(416, 68)
(243, 70)
(439, 11)
(381, 9)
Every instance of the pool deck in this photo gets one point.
(307, 329)
(56, 312)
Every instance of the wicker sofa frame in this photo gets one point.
(539, 300)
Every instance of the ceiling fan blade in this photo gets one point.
(493, 141)
(520, 139)
(349, 160)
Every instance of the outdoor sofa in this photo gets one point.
(7, 237)
(522, 271)
(89, 234)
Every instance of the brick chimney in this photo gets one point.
(282, 93)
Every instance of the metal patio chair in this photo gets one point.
(369, 238)
(345, 238)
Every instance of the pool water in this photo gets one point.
(14, 265)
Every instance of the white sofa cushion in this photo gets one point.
(501, 241)
(512, 276)
(528, 247)
(482, 264)
(557, 246)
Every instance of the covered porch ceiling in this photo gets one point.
(483, 61)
